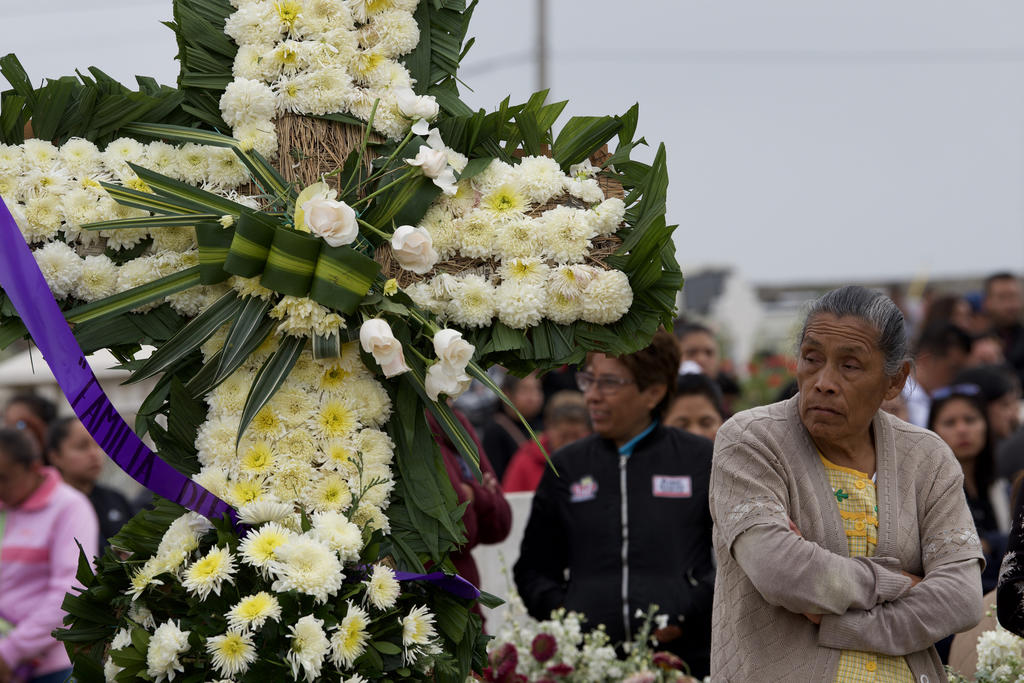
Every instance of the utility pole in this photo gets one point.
(542, 45)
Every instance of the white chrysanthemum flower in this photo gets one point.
(213, 479)
(254, 24)
(422, 294)
(162, 158)
(330, 493)
(53, 181)
(340, 535)
(231, 653)
(260, 546)
(257, 458)
(208, 573)
(293, 480)
(293, 405)
(39, 154)
(193, 163)
(79, 207)
(505, 203)
(571, 281)
(61, 267)
(267, 510)
(80, 157)
(607, 298)
(519, 239)
(144, 577)
(528, 271)
(215, 440)
(124, 238)
(586, 189)
(473, 303)
(308, 566)
(362, 10)
(376, 447)
(252, 611)
(184, 533)
(477, 235)
(302, 317)
(250, 286)
(122, 639)
(309, 647)
(9, 191)
(110, 670)
(520, 305)
(246, 490)
(225, 168)
(12, 160)
(258, 135)
(349, 640)
(373, 408)
(418, 633)
(440, 223)
(382, 588)
(374, 486)
(567, 232)
(372, 517)
(497, 173)
(320, 17)
(252, 63)
(608, 216)
(120, 153)
(195, 300)
(393, 32)
(42, 218)
(563, 310)
(167, 643)
(335, 418)
(539, 178)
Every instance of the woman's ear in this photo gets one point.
(897, 381)
(653, 395)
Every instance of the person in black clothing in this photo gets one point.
(73, 451)
(1009, 605)
(1003, 305)
(627, 512)
(959, 417)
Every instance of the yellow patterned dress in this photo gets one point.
(858, 505)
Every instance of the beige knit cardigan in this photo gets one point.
(767, 470)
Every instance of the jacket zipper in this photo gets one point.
(625, 545)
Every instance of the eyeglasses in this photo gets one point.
(604, 384)
(943, 393)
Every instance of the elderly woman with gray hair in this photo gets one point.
(844, 543)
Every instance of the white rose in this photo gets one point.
(333, 220)
(419, 108)
(440, 380)
(414, 249)
(453, 350)
(376, 338)
(433, 162)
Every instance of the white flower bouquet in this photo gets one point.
(305, 329)
(1000, 659)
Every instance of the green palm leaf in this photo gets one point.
(269, 379)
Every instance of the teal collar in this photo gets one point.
(628, 447)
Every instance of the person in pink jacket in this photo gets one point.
(42, 521)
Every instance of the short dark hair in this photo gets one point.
(942, 337)
(18, 448)
(684, 328)
(566, 406)
(994, 381)
(997, 277)
(42, 408)
(58, 431)
(699, 384)
(658, 363)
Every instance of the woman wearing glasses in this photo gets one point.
(625, 522)
(845, 546)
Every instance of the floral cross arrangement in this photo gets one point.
(308, 315)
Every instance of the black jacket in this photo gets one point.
(576, 524)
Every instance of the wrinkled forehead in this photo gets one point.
(848, 333)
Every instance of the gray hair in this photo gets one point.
(874, 308)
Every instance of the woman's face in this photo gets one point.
(1003, 416)
(962, 427)
(17, 482)
(79, 458)
(694, 413)
(621, 410)
(842, 380)
(700, 347)
(19, 416)
(528, 396)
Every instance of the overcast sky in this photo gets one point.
(807, 140)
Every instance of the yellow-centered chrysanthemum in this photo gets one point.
(208, 573)
(252, 611)
(257, 458)
(335, 420)
(259, 547)
(231, 653)
(349, 641)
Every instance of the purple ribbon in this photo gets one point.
(454, 584)
(26, 287)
